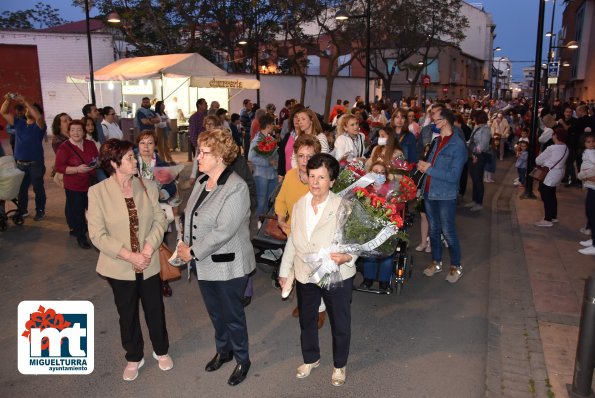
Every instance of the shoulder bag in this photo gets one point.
(168, 271)
(540, 172)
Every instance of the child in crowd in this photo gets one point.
(522, 155)
(586, 174)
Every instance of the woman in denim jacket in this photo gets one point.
(448, 154)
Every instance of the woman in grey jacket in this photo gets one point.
(217, 241)
(479, 152)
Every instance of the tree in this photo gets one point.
(39, 17)
(340, 39)
(401, 29)
(296, 42)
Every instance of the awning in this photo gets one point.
(229, 81)
(156, 66)
(202, 73)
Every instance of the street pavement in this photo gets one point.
(434, 340)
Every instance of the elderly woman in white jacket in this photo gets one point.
(553, 157)
(313, 227)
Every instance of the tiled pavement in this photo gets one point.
(536, 287)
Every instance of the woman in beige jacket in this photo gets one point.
(127, 225)
(313, 227)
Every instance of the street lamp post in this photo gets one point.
(342, 16)
(534, 116)
(492, 70)
(90, 52)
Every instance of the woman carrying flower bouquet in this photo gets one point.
(313, 227)
(378, 268)
(263, 155)
(294, 186)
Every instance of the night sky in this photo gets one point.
(516, 24)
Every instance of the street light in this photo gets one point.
(342, 15)
(112, 17)
(243, 42)
(492, 70)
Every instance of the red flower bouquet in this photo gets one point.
(352, 172)
(266, 146)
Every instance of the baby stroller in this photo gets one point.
(10, 183)
(402, 264)
(269, 242)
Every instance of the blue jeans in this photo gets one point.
(264, 189)
(34, 172)
(522, 175)
(441, 217)
(378, 268)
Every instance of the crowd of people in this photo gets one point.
(112, 195)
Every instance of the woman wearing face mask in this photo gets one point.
(387, 150)
(379, 269)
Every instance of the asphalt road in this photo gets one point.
(428, 342)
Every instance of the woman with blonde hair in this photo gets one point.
(217, 242)
(350, 142)
(210, 122)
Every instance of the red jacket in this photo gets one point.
(66, 156)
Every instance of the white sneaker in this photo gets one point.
(555, 220)
(515, 180)
(517, 183)
(428, 248)
(585, 231)
(589, 251)
(476, 208)
(470, 204)
(586, 243)
(544, 223)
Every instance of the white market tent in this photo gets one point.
(190, 69)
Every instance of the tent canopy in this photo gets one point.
(156, 66)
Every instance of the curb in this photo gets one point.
(515, 361)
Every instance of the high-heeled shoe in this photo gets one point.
(421, 247)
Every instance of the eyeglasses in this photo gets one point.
(203, 153)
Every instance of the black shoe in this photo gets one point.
(366, 284)
(39, 215)
(239, 374)
(83, 243)
(72, 233)
(246, 300)
(383, 286)
(218, 360)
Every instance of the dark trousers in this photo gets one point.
(463, 180)
(590, 209)
(570, 175)
(522, 175)
(550, 202)
(126, 297)
(338, 307)
(76, 204)
(34, 172)
(223, 300)
(476, 170)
